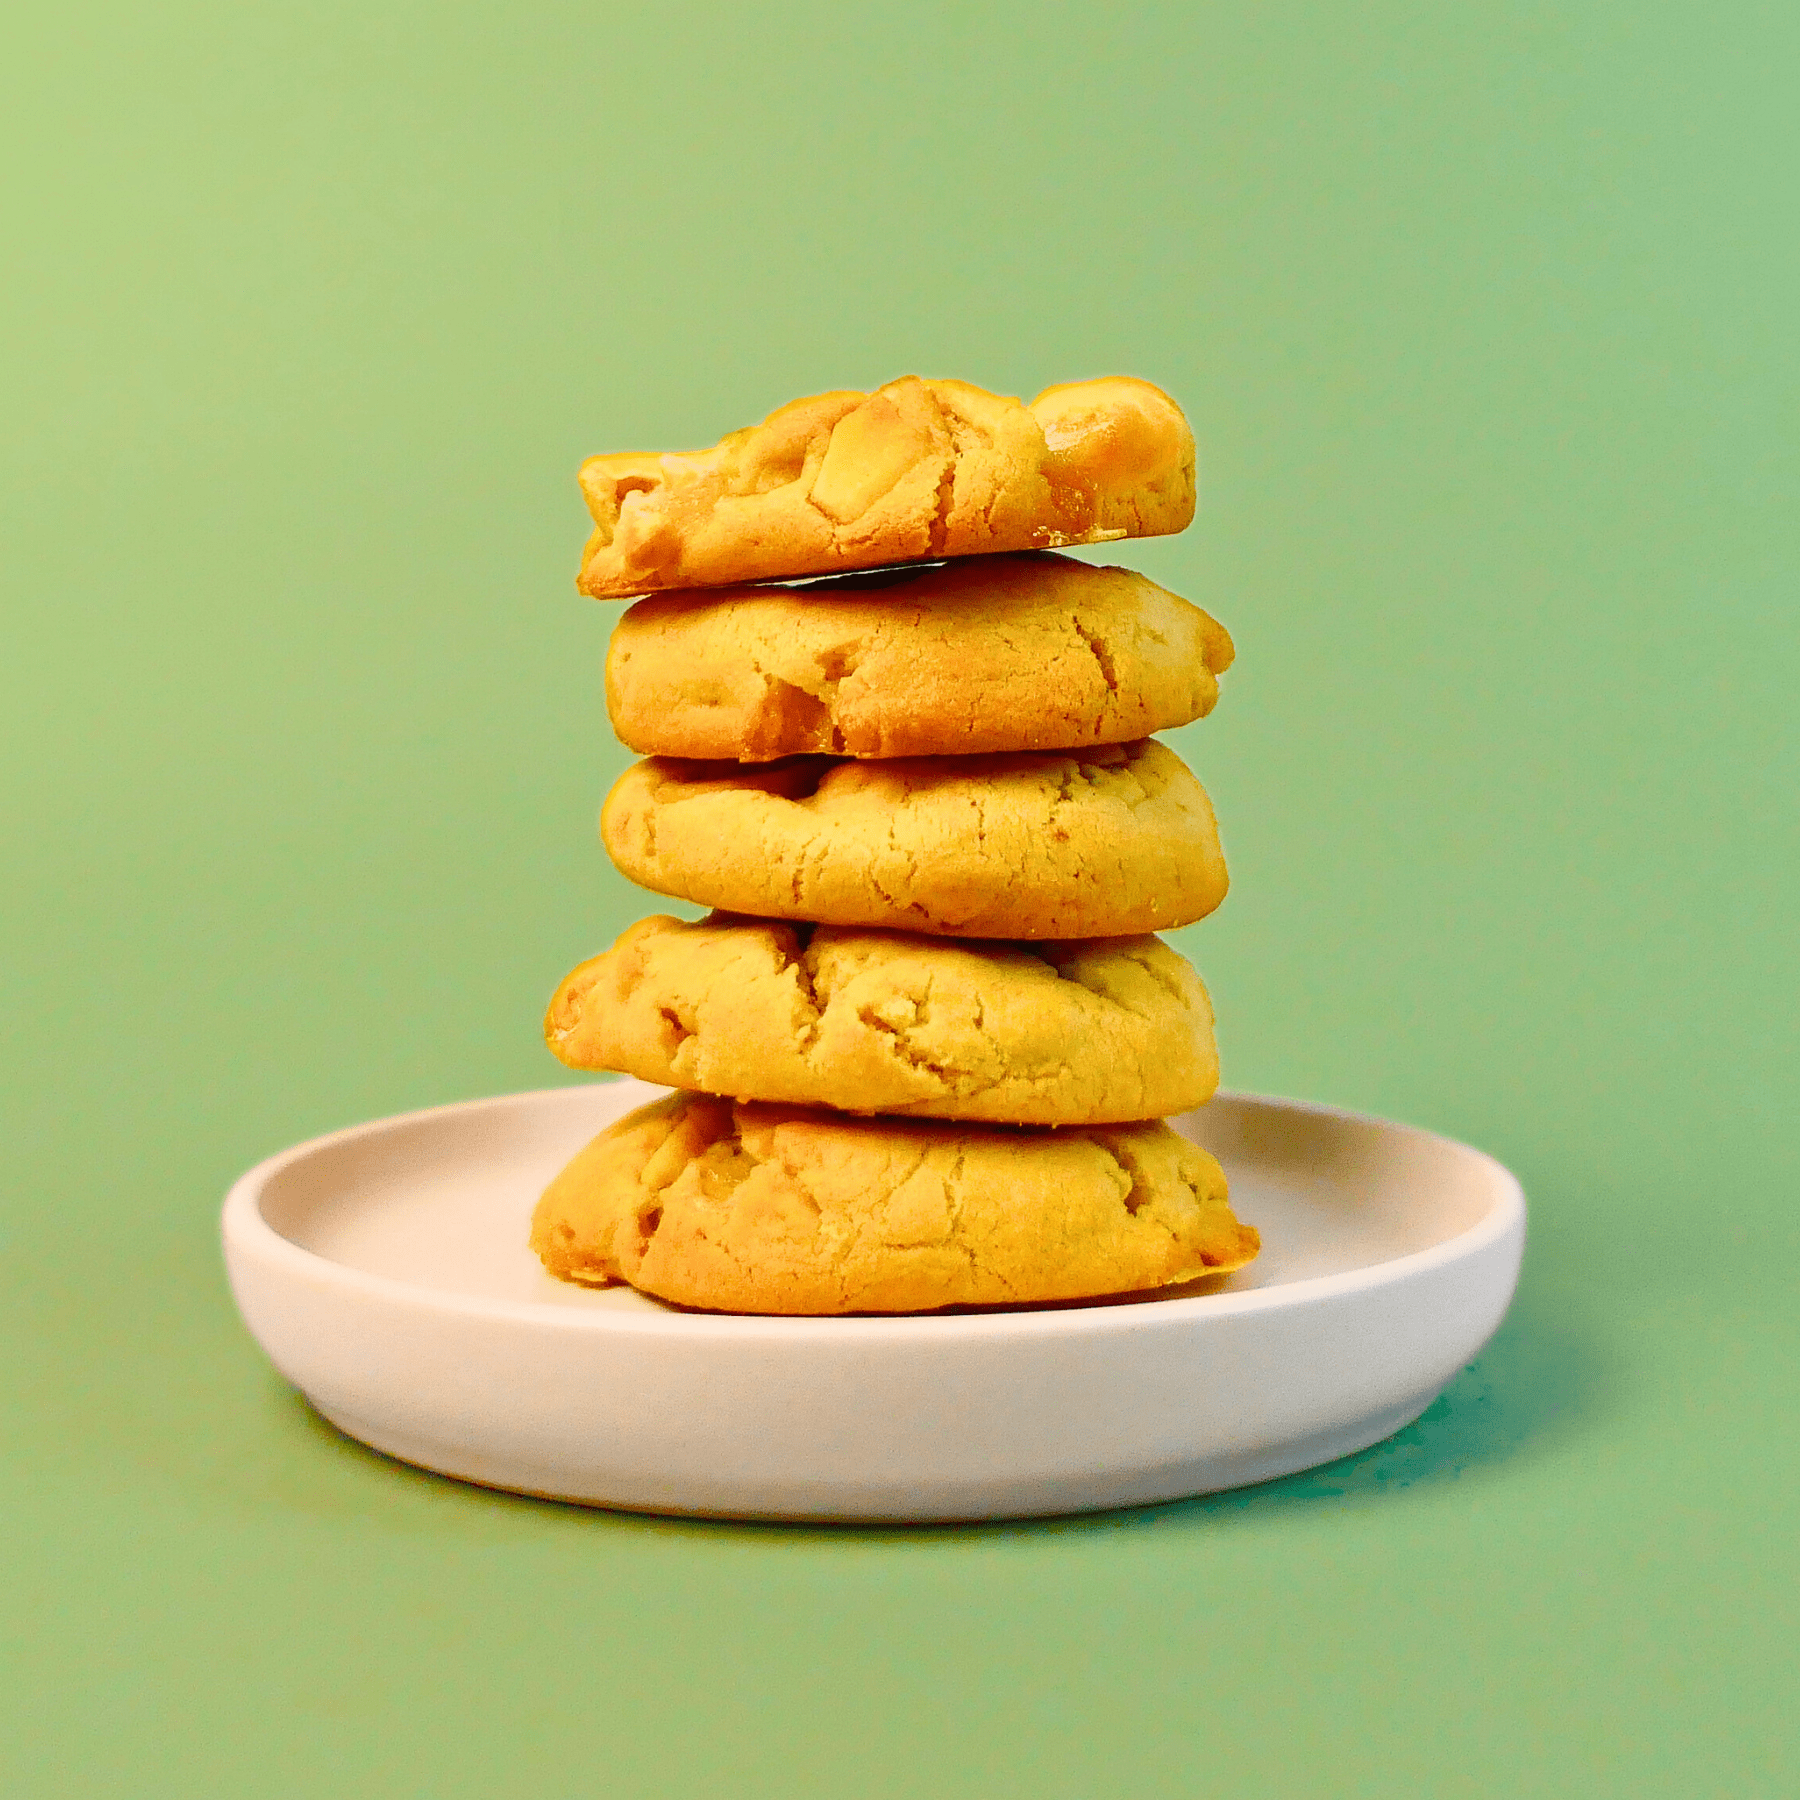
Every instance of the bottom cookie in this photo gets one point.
(774, 1209)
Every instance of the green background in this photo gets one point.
(1485, 318)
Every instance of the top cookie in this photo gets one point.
(917, 469)
(992, 654)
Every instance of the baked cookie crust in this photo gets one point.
(1109, 842)
(1099, 1032)
(999, 653)
(765, 1209)
(915, 469)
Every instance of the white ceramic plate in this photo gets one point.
(385, 1271)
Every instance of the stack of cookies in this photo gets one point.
(926, 1040)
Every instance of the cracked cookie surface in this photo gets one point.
(1109, 842)
(769, 1209)
(999, 653)
(1098, 1032)
(916, 469)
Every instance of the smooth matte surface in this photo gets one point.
(1485, 321)
(386, 1272)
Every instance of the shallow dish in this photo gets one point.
(384, 1269)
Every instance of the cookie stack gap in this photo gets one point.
(926, 1038)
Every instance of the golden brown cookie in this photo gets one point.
(994, 653)
(915, 469)
(1105, 843)
(1089, 1033)
(769, 1209)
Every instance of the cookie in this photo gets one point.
(1104, 843)
(994, 653)
(1090, 1033)
(915, 469)
(770, 1209)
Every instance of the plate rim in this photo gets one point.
(244, 1230)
